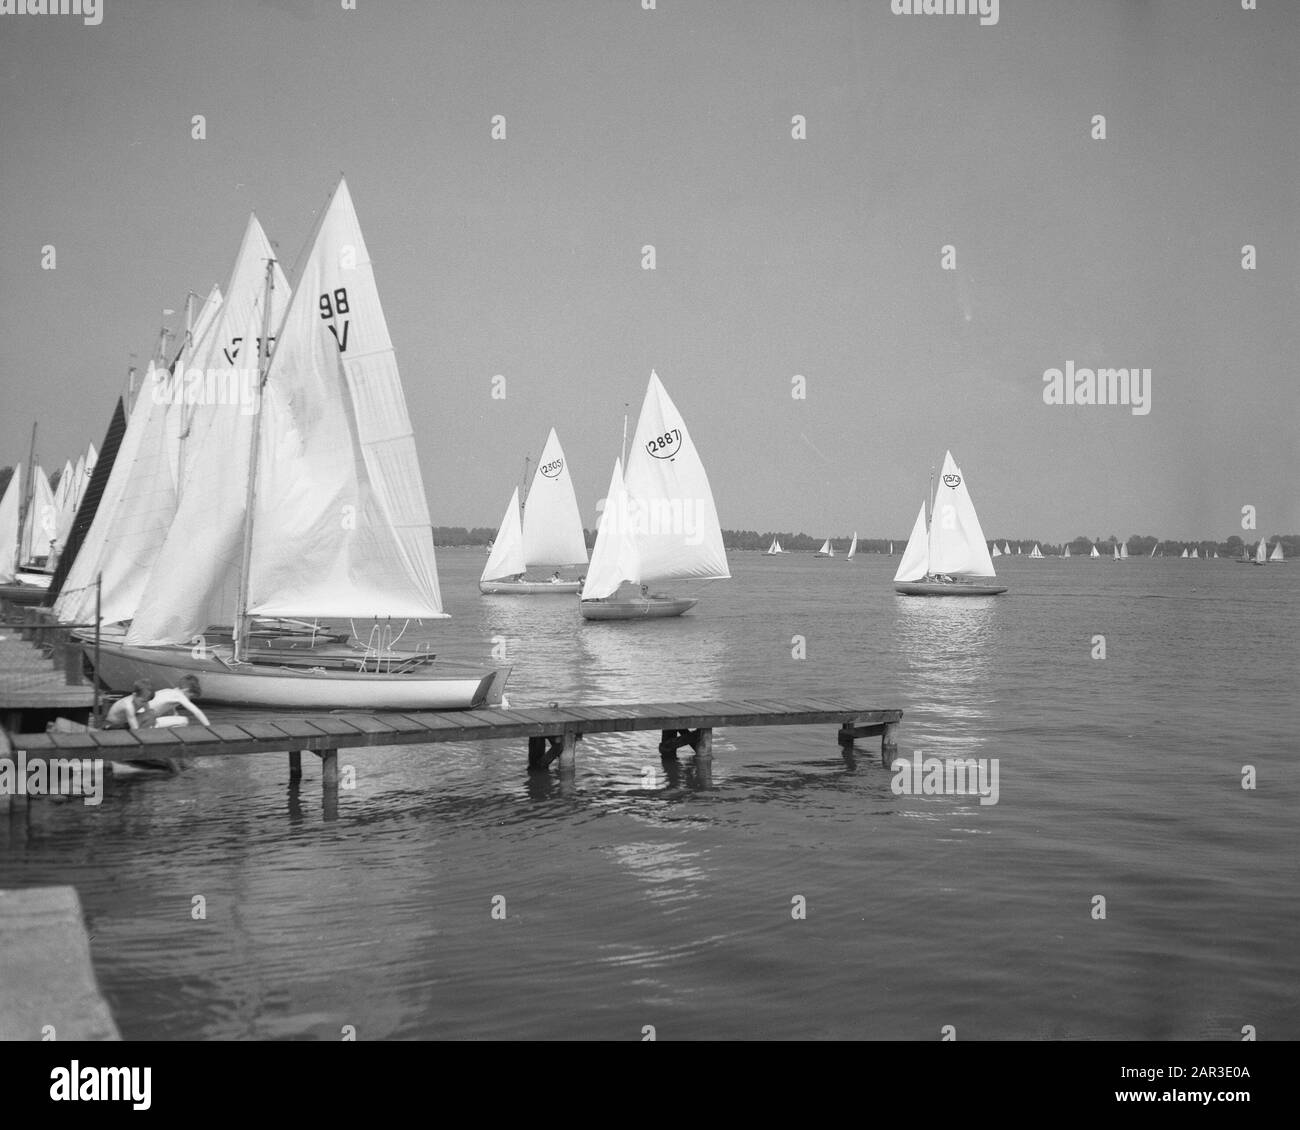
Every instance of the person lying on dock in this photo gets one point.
(132, 712)
(169, 701)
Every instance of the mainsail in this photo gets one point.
(193, 583)
(552, 526)
(956, 540)
(853, 546)
(660, 520)
(40, 526)
(340, 525)
(1276, 555)
(9, 507)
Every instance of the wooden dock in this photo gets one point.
(553, 732)
(40, 668)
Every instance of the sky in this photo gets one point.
(820, 257)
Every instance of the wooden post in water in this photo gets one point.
(295, 764)
(888, 743)
(569, 751)
(330, 768)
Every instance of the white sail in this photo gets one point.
(507, 556)
(1184, 553)
(552, 528)
(1123, 552)
(1154, 548)
(1035, 552)
(853, 546)
(916, 557)
(340, 525)
(778, 548)
(1196, 552)
(1095, 551)
(956, 541)
(1261, 552)
(826, 550)
(891, 549)
(194, 577)
(1067, 552)
(613, 557)
(66, 496)
(1276, 555)
(197, 357)
(1114, 552)
(996, 551)
(771, 549)
(41, 524)
(1006, 547)
(673, 523)
(10, 505)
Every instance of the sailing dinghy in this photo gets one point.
(659, 522)
(826, 550)
(853, 547)
(773, 549)
(950, 557)
(312, 505)
(549, 535)
(1276, 555)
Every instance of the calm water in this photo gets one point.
(635, 897)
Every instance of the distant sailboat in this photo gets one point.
(1154, 548)
(773, 549)
(1006, 548)
(1036, 552)
(1261, 552)
(664, 479)
(1114, 552)
(891, 549)
(1067, 552)
(1276, 555)
(549, 535)
(950, 556)
(1195, 552)
(1123, 552)
(853, 547)
(996, 551)
(1184, 553)
(826, 550)
(1095, 551)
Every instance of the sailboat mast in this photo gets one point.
(31, 484)
(523, 488)
(623, 449)
(263, 364)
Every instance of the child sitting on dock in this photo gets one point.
(132, 712)
(169, 701)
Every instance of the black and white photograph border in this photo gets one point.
(775, 328)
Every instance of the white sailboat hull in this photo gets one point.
(638, 608)
(436, 686)
(528, 588)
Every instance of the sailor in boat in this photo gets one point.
(170, 701)
(555, 577)
(134, 711)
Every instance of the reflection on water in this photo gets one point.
(679, 659)
(945, 643)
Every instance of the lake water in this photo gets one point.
(634, 896)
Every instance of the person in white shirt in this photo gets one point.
(169, 701)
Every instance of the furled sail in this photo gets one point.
(340, 525)
(552, 528)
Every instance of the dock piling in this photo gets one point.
(295, 764)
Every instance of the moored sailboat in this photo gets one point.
(659, 522)
(320, 513)
(549, 534)
(949, 557)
